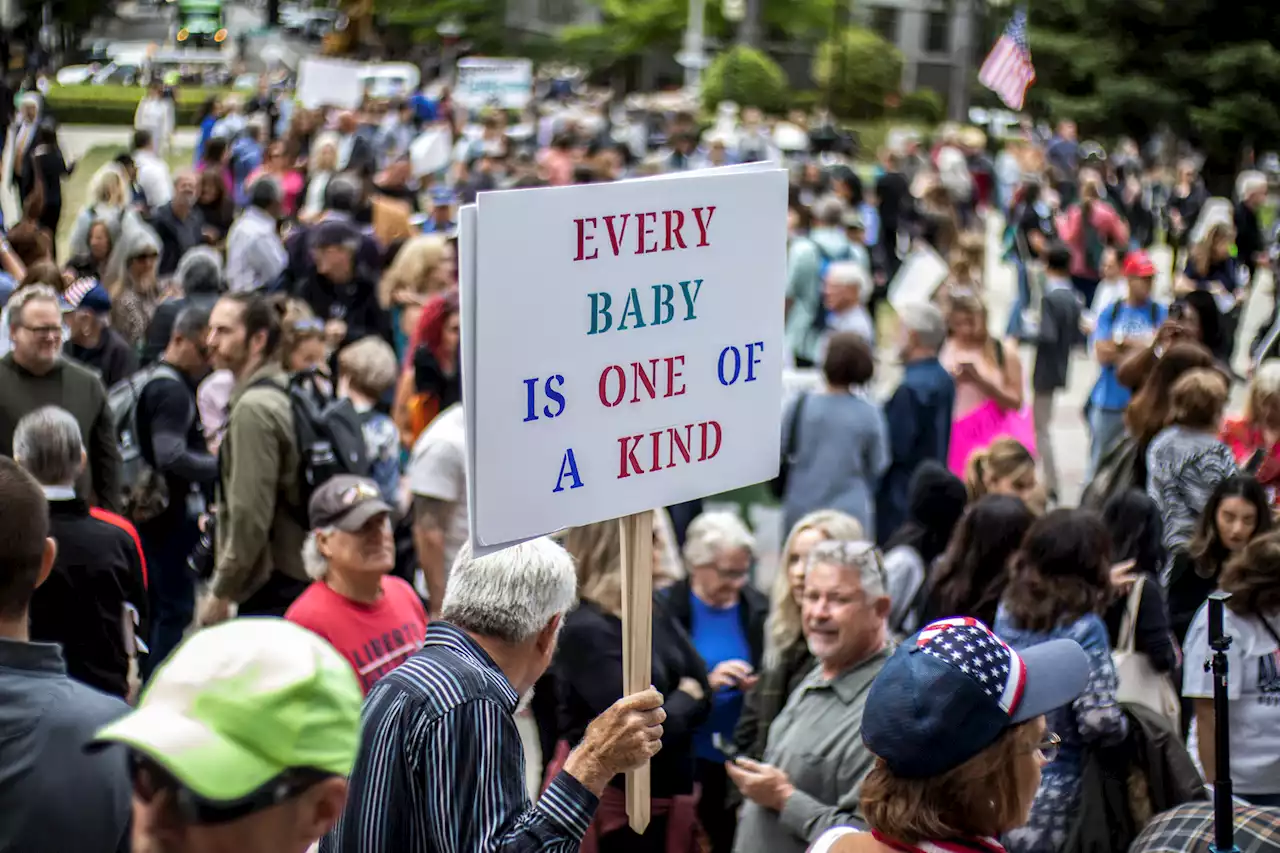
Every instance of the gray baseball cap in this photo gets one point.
(346, 502)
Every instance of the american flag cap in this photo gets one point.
(950, 691)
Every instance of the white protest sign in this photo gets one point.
(919, 277)
(484, 82)
(330, 83)
(622, 349)
(429, 152)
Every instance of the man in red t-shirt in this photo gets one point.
(373, 619)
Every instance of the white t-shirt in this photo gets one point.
(1253, 686)
(438, 469)
(830, 837)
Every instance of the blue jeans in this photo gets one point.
(1106, 426)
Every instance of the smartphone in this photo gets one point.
(725, 746)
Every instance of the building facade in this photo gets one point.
(937, 40)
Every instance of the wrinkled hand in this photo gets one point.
(762, 784)
(212, 610)
(623, 738)
(732, 674)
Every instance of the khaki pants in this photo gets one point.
(1042, 417)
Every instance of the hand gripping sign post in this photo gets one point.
(622, 350)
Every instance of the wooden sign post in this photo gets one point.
(637, 641)
(637, 365)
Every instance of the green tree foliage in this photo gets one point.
(746, 76)
(923, 105)
(1207, 71)
(632, 27)
(482, 22)
(858, 70)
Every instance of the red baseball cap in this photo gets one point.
(1139, 264)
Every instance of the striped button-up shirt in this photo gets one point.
(441, 764)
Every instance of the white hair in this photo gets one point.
(712, 533)
(862, 557)
(851, 274)
(512, 594)
(315, 564)
(926, 322)
(47, 443)
(1249, 182)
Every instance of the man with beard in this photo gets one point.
(172, 442)
(376, 621)
(259, 537)
(34, 375)
(179, 224)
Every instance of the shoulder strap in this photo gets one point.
(1270, 630)
(1115, 312)
(793, 429)
(1155, 312)
(999, 347)
(1129, 624)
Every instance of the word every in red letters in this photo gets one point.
(644, 232)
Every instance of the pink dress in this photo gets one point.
(976, 419)
(291, 184)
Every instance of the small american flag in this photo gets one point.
(1007, 70)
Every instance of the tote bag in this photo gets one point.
(1140, 684)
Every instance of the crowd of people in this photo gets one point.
(239, 608)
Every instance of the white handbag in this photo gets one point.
(1140, 684)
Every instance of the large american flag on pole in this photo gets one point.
(1007, 70)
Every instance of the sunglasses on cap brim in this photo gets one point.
(150, 779)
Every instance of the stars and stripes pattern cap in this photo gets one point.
(1008, 70)
(972, 648)
(951, 690)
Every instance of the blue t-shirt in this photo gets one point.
(718, 637)
(1108, 393)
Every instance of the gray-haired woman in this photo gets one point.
(132, 283)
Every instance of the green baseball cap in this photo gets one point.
(239, 703)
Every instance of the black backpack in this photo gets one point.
(329, 435)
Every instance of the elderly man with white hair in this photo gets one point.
(96, 594)
(846, 290)
(375, 620)
(441, 764)
(724, 616)
(815, 760)
(918, 414)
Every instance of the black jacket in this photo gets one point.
(81, 606)
(753, 613)
(113, 358)
(172, 442)
(588, 671)
(355, 303)
(1112, 809)
(176, 235)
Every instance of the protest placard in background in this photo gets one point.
(492, 82)
(330, 83)
(623, 347)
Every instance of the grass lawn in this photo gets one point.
(75, 189)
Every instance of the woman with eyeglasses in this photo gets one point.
(960, 727)
(724, 616)
(1059, 587)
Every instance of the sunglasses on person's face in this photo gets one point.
(150, 780)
